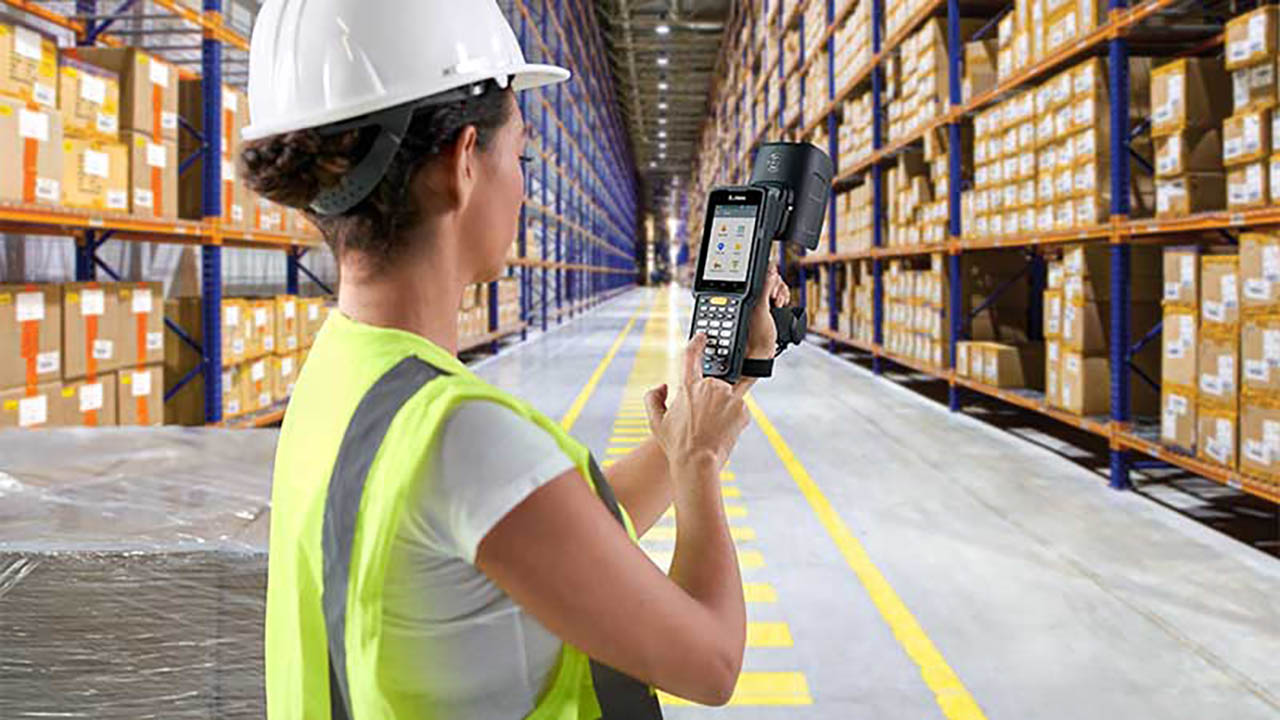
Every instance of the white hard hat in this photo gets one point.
(316, 62)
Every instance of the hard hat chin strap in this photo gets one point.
(392, 125)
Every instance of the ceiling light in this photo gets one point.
(662, 121)
(653, 163)
(663, 86)
(662, 106)
(662, 133)
(663, 29)
(662, 61)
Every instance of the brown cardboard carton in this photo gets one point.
(1088, 274)
(235, 196)
(148, 90)
(962, 358)
(1187, 151)
(91, 404)
(284, 373)
(1086, 326)
(1053, 314)
(259, 384)
(35, 408)
(1182, 276)
(1007, 366)
(1219, 371)
(1086, 384)
(1260, 354)
(1216, 435)
(1178, 417)
(1053, 373)
(1254, 87)
(153, 177)
(30, 334)
(142, 323)
(1191, 193)
(1250, 38)
(979, 67)
(261, 338)
(1273, 176)
(235, 391)
(1247, 186)
(1219, 291)
(90, 329)
(1246, 137)
(1188, 93)
(266, 215)
(32, 140)
(28, 66)
(1259, 272)
(1181, 349)
(286, 324)
(90, 101)
(141, 396)
(313, 313)
(95, 175)
(1260, 438)
(236, 329)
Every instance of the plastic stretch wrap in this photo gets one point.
(133, 569)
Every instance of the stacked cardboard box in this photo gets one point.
(1000, 365)
(924, 70)
(30, 354)
(508, 302)
(854, 219)
(235, 196)
(1218, 364)
(31, 130)
(95, 163)
(915, 311)
(979, 68)
(473, 315)
(1260, 355)
(852, 44)
(28, 67)
(1189, 97)
(1179, 362)
(854, 143)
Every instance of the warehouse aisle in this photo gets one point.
(900, 561)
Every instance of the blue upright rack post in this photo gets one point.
(833, 152)
(954, 181)
(211, 189)
(877, 187)
(1119, 72)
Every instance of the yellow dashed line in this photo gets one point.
(768, 635)
(762, 688)
(759, 593)
(730, 492)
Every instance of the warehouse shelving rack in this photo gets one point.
(1124, 434)
(594, 234)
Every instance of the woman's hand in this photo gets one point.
(762, 338)
(705, 418)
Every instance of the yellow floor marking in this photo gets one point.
(580, 402)
(619, 451)
(730, 492)
(608, 463)
(668, 532)
(768, 635)
(950, 693)
(632, 440)
(747, 559)
(759, 593)
(761, 688)
(727, 475)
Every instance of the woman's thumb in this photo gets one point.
(655, 403)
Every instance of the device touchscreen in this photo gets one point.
(727, 245)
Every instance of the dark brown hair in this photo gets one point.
(292, 168)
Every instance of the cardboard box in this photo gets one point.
(980, 70)
(1053, 373)
(33, 139)
(28, 66)
(1254, 87)
(90, 329)
(23, 408)
(1188, 93)
(1247, 186)
(95, 175)
(1219, 291)
(1086, 384)
(1250, 38)
(266, 215)
(90, 404)
(236, 331)
(1053, 314)
(1179, 359)
(258, 374)
(1191, 193)
(1260, 438)
(1260, 354)
(89, 101)
(1086, 326)
(261, 336)
(30, 334)
(1178, 417)
(141, 323)
(1187, 151)
(1007, 366)
(1274, 177)
(1182, 276)
(148, 90)
(153, 177)
(1259, 272)
(1246, 137)
(1216, 435)
(141, 396)
(962, 358)
(286, 324)
(1219, 371)
(284, 373)
(314, 312)
(235, 391)
(236, 199)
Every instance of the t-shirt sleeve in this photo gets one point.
(485, 461)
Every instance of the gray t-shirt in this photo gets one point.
(451, 636)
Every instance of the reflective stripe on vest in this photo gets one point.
(620, 696)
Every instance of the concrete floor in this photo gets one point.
(905, 562)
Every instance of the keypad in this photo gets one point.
(717, 317)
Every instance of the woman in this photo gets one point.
(439, 549)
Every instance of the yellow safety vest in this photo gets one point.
(355, 438)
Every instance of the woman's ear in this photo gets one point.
(448, 181)
(465, 164)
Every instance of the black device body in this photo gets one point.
(786, 200)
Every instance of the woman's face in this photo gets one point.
(493, 218)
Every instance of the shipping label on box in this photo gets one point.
(1182, 276)
(30, 334)
(28, 66)
(33, 140)
(1260, 438)
(1219, 371)
(1216, 435)
(1177, 417)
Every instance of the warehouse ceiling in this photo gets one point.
(663, 54)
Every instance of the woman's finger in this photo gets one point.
(655, 403)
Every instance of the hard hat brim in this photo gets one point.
(526, 76)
